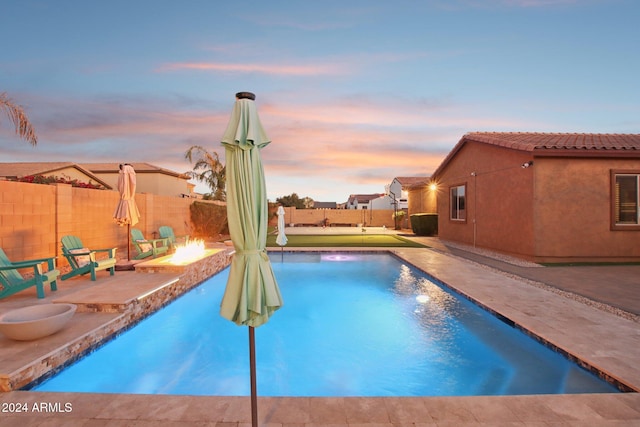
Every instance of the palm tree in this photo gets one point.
(16, 113)
(208, 169)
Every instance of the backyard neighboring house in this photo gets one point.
(548, 197)
(67, 171)
(325, 205)
(362, 201)
(149, 178)
(395, 196)
(399, 189)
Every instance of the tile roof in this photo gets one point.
(408, 181)
(554, 144)
(22, 169)
(364, 198)
(139, 167)
(530, 141)
(324, 205)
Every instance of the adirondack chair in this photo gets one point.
(11, 281)
(145, 247)
(167, 233)
(83, 260)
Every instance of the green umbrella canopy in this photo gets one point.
(252, 293)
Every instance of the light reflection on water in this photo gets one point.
(348, 328)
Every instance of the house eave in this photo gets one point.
(587, 153)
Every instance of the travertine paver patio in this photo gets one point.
(605, 340)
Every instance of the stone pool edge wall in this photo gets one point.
(132, 312)
(190, 276)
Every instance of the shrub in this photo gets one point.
(424, 224)
(209, 220)
(41, 179)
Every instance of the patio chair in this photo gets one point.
(146, 247)
(167, 233)
(84, 260)
(11, 281)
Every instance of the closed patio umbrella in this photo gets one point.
(281, 238)
(126, 212)
(252, 294)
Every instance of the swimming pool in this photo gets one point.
(352, 325)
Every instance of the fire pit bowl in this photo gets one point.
(36, 321)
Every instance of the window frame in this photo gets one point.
(614, 197)
(458, 210)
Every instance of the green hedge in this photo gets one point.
(424, 224)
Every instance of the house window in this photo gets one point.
(626, 196)
(458, 203)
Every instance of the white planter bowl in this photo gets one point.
(36, 321)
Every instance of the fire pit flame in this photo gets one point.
(192, 251)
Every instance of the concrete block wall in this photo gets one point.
(27, 220)
(91, 215)
(368, 217)
(34, 217)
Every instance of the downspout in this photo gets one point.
(475, 207)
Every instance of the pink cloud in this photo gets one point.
(345, 143)
(277, 69)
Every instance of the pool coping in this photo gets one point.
(603, 371)
(615, 361)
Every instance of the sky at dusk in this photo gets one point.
(351, 93)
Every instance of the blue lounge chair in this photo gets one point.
(11, 281)
(83, 260)
(147, 248)
(167, 233)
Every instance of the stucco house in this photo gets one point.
(325, 205)
(398, 190)
(149, 178)
(361, 201)
(547, 197)
(395, 196)
(65, 170)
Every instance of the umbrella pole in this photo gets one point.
(252, 363)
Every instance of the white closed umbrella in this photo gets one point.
(281, 239)
(127, 212)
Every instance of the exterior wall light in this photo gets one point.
(527, 164)
(433, 186)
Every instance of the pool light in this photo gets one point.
(422, 299)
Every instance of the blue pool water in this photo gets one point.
(352, 325)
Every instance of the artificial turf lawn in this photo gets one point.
(345, 240)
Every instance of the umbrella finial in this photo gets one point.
(246, 95)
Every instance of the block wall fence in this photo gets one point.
(342, 217)
(34, 217)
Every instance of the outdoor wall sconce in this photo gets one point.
(527, 164)
(433, 186)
